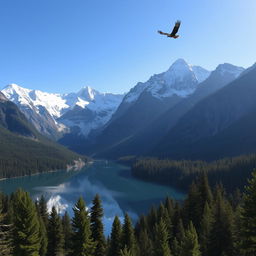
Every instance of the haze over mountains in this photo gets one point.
(185, 112)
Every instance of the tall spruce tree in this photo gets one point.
(126, 252)
(128, 237)
(205, 229)
(221, 237)
(43, 237)
(55, 234)
(248, 218)
(97, 227)
(145, 243)
(26, 225)
(67, 233)
(161, 247)
(5, 234)
(82, 241)
(190, 245)
(115, 238)
(192, 206)
(42, 208)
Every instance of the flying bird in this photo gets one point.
(174, 31)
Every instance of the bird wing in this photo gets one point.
(162, 33)
(176, 28)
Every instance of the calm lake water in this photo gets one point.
(119, 191)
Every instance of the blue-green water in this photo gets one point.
(119, 191)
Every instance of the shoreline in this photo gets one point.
(69, 168)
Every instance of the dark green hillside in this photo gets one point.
(23, 151)
(24, 156)
(231, 172)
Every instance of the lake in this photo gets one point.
(119, 191)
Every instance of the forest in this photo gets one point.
(21, 156)
(180, 174)
(209, 222)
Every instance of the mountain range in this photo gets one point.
(56, 114)
(186, 112)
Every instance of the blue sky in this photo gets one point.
(62, 45)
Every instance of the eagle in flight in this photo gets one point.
(174, 31)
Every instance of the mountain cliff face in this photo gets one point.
(145, 140)
(146, 101)
(56, 114)
(215, 123)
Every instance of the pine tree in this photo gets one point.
(97, 227)
(115, 238)
(221, 237)
(5, 235)
(192, 206)
(190, 245)
(175, 247)
(205, 229)
(67, 233)
(248, 218)
(43, 237)
(128, 237)
(161, 247)
(169, 205)
(145, 243)
(55, 234)
(126, 252)
(26, 225)
(42, 208)
(82, 241)
(205, 191)
(180, 232)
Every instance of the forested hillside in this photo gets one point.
(23, 151)
(231, 172)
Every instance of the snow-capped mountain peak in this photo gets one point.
(229, 68)
(87, 93)
(38, 105)
(180, 79)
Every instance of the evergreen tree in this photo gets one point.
(175, 247)
(145, 243)
(115, 238)
(67, 233)
(248, 218)
(55, 234)
(192, 208)
(205, 191)
(5, 235)
(42, 208)
(169, 205)
(43, 237)
(97, 227)
(190, 245)
(26, 225)
(221, 237)
(205, 230)
(83, 244)
(126, 252)
(128, 237)
(180, 232)
(161, 247)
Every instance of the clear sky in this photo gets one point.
(110, 45)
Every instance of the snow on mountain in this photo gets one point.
(56, 105)
(180, 79)
(229, 68)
